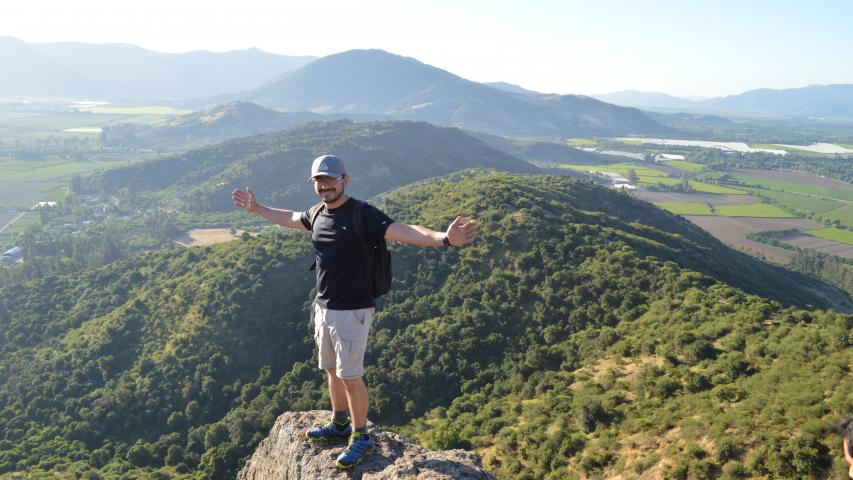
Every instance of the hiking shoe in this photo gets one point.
(331, 431)
(357, 450)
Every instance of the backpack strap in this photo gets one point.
(358, 220)
(315, 212)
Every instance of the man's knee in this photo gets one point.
(352, 383)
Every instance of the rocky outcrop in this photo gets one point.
(286, 455)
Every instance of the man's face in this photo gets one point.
(329, 189)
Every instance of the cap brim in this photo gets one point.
(336, 176)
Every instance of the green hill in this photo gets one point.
(213, 125)
(584, 331)
(379, 156)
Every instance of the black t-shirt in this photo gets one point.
(344, 279)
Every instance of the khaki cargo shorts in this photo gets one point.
(341, 337)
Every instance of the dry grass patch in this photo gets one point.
(209, 236)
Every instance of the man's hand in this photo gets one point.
(461, 231)
(246, 200)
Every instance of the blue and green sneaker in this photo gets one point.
(360, 446)
(331, 431)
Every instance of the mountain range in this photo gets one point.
(121, 72)
(815, 101)
(378, 82)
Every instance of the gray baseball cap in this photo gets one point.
(327, 165)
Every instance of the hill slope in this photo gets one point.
(128, 72)
(378, 155)
(177, 363)
(214, 125)
(377, 82)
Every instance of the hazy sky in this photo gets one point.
(682, 47)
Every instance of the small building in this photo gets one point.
(13, 255)
(665, 157)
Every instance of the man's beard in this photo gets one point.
(333, 199)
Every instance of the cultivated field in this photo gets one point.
(797, 182)
(23, 195)
(833, 234)
(819, 244)
(6, 216)
(805, 203)
(711, 198)
(843, 214)
(733, 231)
(756, 210)
(208, 236)
(26, 220)
(686, 208)
(686, 166)
(649, 176)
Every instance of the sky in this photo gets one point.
(684, 48)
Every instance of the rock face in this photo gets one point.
(287, 455)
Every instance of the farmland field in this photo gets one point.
(651, 176)
(24, 184)
(134, 110)
(733, 231)
(834, 234)
(797, 182)
(23, 195)
(621, 168)
(764, 210)
(711, 198)
(809, 189)
(686, 208)
(45, 170)
(686, 166)
(29, 219)
(843, 214)
(822, 245)
(581, 142)
(711, 188)
(800, 202)
(7, 216)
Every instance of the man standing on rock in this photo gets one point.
(343, 309)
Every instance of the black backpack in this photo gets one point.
(375, 250)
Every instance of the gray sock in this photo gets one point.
(341, 417)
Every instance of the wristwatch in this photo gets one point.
(446, 241)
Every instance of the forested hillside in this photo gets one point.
(379, 156)
(584, 333)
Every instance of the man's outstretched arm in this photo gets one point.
(460, 232)
(279, 216)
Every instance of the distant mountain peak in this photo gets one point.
(377, 82)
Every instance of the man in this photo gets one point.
(343, 309)
(846, 430)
